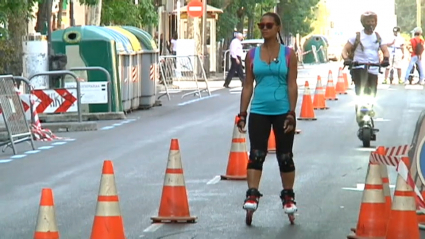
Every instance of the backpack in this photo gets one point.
(357, 42)
(419, 49)
(287, 56)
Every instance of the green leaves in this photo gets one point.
(125, 12)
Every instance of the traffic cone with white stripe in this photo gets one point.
(385, 182)
(330, 93)
(46, 227)
(372, 222)
(403, 221)
(271, 146)
(174, 206)
(108, 222)
(319, 101)
(340, 84)
(307, 111)
(238, 157)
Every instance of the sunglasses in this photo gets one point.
(268, 25)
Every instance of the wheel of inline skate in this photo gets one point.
(291, 217)
(248, 219)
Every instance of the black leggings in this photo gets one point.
(365, 83)
(259, 127)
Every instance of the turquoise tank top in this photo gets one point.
(271, 89)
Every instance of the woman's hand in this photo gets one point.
(241, 122)
(289, 124)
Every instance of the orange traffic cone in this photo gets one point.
(403, 222)
(385, 182)
(330, 93)
(46, 227)
(372, 223)
(340, 84)
(319, 102)
(238, 157)
(174, 205)
(108, 222)
(307, 111)
(346, 85)
(271, 148)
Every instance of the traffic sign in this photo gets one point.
(195, 8)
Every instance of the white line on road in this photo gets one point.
(196, 100)
(153, 227)
(215, 180)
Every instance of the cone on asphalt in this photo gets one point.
(238, 157)
(174, 206)
(319, 101)
(340, 84)
(385, 182)
(346, 85)
(46, 226)
(307, 111)
(330, 93)
(403, 221)
(108, 222)
(271, 147)
(372, 222)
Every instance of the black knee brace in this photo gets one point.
(286, 163)
(256, 159)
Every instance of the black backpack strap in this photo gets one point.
(378, 39)
(357, 42)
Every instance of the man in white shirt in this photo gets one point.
(396, 49)
(235, 56)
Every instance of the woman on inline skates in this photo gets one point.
(273, 66)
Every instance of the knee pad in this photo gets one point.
(286, 163)
(256, 159)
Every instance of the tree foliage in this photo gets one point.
(124, 12)
(297, 15)
(406, 8)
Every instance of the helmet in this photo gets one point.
(367, 15)
(396, 29)
(417, 30)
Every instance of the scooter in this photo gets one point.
(364, 111)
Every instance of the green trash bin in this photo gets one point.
(95, 46)
(317, 41)
(149, 67)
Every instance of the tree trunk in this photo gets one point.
(94, 14)
(59, 18)
(44, 15)
(250, 27)
(17, 29)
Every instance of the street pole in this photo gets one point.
(418, 13)
(204, 36)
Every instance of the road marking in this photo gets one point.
(107, 127)
(5, 160)
(45, 147)
(32, 151)
(413, 87)
(153, 227)
(360, 187)
(118, 124)
(215, 180)
(381, 120)
(59, 143)
(366, 149)
(196, 100)
(19, 156)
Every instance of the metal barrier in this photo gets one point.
(13, 113)
(78, 88)
(183, 68)
(227, 60)
(108, 79)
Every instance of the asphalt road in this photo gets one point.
(328, 158)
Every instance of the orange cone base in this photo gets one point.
(303, 118)
(108, 227)
(230, 177)
(322, 108)
(421, 218)
(46, 235)
(353, 236)
(191, 219)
